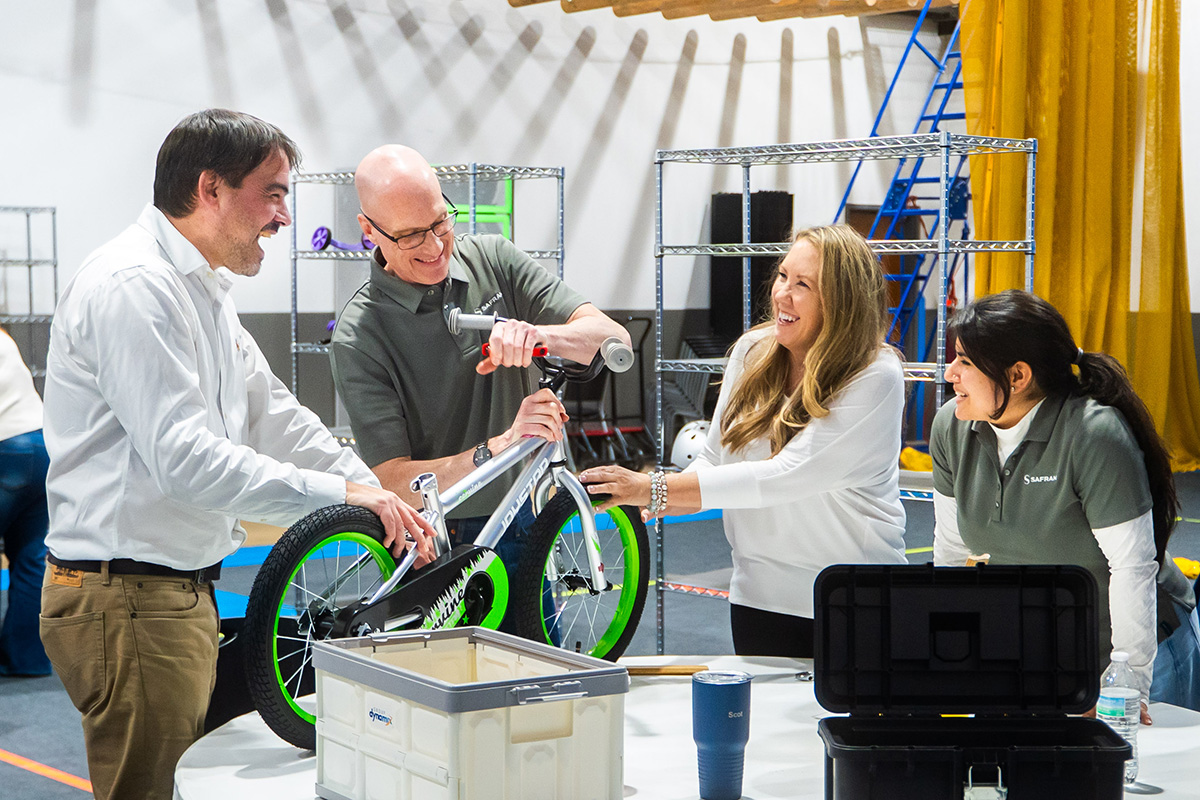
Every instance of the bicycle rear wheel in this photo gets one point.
(325, 562)
(597, 621)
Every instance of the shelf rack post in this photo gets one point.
(943, 265)
(294, 326)
(1030, 194)
(659, 443)
(746, 304)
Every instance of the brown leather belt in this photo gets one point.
(127, 566)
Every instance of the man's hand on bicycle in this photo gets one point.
(541, 414)
(398, 518)
(511, 344)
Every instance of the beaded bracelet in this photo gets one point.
(658, 493)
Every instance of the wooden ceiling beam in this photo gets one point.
(571, 6)
(629, 8)
(736, 9)
(850, 8)
(764, 10)
(677, 9)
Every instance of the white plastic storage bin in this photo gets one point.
(466, 714)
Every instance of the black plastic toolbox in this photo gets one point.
(1012, 650)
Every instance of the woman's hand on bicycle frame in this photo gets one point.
(624, 486)
(398, 518)
(511, 344)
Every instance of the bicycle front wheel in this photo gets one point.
(596, 620)
(325, 562)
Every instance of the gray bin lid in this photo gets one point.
(585, 676)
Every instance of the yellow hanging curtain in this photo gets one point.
(1163, 353)
(1066, 74)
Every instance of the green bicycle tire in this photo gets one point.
(597, 624)
(341, 534)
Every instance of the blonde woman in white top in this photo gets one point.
(803, 451)
(23, 518)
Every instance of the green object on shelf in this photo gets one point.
(492, 213)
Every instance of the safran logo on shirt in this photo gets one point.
(1040, 479)
(491, 301)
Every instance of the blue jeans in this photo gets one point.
(510, 548)
(1177, 665)
(24, 521)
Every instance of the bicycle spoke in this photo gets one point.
(332, 577)
(297, 675)
(303, 639)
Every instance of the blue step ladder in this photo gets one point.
(903, 203)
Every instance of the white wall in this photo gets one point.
(91, 87)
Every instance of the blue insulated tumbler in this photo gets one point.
(721, 728)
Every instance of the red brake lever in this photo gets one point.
(539, 351)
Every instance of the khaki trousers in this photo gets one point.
(138, 656)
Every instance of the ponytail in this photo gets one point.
(1102, 378)
(1002, 329)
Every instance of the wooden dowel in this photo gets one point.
(668, 669)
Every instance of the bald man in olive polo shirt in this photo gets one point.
(420, 399)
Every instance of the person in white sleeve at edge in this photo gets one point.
(804, 447)
(1046, 455)
(23, 520)
(165, 426)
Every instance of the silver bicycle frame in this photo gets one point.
(547, 456)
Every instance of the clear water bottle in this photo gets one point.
(1121, 706)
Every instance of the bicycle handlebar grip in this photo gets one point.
(617, 355)
(539, 351)
(459, 322)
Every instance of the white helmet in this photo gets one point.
(689, 443)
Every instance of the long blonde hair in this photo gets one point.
(854, 303)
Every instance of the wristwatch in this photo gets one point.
(482, 454)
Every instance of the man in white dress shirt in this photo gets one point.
(165, 426)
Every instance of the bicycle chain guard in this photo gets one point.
(467, 586)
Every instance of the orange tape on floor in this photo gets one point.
(46, 772)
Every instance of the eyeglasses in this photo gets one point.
(415, 239)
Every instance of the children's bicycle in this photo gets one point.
(580, 584)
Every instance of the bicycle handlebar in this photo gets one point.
(460, 322)
(617, 355)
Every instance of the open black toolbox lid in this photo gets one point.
(921, 640)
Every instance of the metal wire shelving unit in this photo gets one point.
(941, 145)
(29, 263)
(470, 174)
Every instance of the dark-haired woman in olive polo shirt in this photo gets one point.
(1046, 455)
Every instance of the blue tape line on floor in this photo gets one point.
(230, 604)
(247, 556)
(699, 516)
